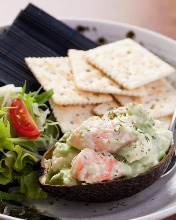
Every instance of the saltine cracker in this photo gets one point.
(89, 78)
(128, 63)
(55, 73)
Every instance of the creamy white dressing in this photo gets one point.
(126, 141)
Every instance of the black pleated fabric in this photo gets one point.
(34, 33)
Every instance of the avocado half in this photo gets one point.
(107, 190)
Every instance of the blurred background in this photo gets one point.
(157, 15)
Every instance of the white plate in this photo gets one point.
(159, 200)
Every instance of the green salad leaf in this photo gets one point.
(30, 186)
(12, 157)
(4, 135)
(10, 196)
(43, 98)
(19, 155)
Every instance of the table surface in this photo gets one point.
(156, 15)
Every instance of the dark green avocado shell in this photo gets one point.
(109, 190)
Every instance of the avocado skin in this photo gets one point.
(110, 190)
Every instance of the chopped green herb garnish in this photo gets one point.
(153, 106)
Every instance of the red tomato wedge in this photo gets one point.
(22, 120)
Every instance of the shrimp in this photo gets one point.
(101, 134)
(92, 167)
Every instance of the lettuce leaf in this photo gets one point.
(16, 161)
(4, 135)
(15, 151)
(10, 196)
(29, 143)
(23, 158)
(4, 180)
(18, 155)
(30, 186)
(6, 162)
(44, 97)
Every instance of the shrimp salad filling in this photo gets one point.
(124, 142)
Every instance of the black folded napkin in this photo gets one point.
(34, 33)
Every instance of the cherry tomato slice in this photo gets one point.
(22, 120)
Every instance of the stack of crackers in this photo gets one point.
(88, 83)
